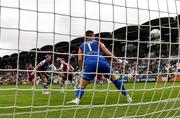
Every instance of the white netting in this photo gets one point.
(31, 29)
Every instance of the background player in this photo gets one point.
(30, 77)
(67, 73)
(43, 66)
(91, 53)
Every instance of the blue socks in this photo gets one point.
(119, 85)
(79, 93)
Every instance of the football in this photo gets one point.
(155, 34)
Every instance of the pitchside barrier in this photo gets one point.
(162, 78)
(151, 78)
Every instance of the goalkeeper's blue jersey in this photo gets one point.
(92, 51)
(93, 58)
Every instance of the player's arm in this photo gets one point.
(61, 68)
(71, 67)
(105, 50)
(38, 66)
(80, 58)
(108, 53)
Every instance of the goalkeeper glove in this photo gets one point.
(119, 61)
(122, 61)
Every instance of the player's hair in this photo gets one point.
(89, 33)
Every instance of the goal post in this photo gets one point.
(144, 34)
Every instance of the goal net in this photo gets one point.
(29, 30)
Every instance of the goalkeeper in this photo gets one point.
(91, 52)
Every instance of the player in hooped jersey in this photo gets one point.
(91, 60)
(67, 73)
(43, 66)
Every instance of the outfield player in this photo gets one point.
(67, 73)
(91, 53)
(43, 66)
(31, 78)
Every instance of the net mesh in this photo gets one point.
(31, 29)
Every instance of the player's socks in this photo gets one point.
(129, 99)
(73, 84)
(45, 89)
(119, 85)
(61, 88)
(45, 86)
(79, 93)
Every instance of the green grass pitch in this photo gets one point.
(149, 100)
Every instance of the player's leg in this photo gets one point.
(80, 91)
(37, 80)
(87, 76)
(119, 85)
(32, 81)
(77, 79)
(82, 86)
(103, 66)
(44, 84)
(61, 79)
(61, 84)
(72, 79)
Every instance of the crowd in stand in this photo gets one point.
(9, 78)
(134, 69)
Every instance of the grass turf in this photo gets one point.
(149, 100)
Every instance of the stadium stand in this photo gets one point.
(169, 35)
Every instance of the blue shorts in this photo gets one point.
(90, 71)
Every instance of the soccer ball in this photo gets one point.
(155, 34)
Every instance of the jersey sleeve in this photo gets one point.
(42, 62)
(61, 67)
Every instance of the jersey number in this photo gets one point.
(89, 46)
